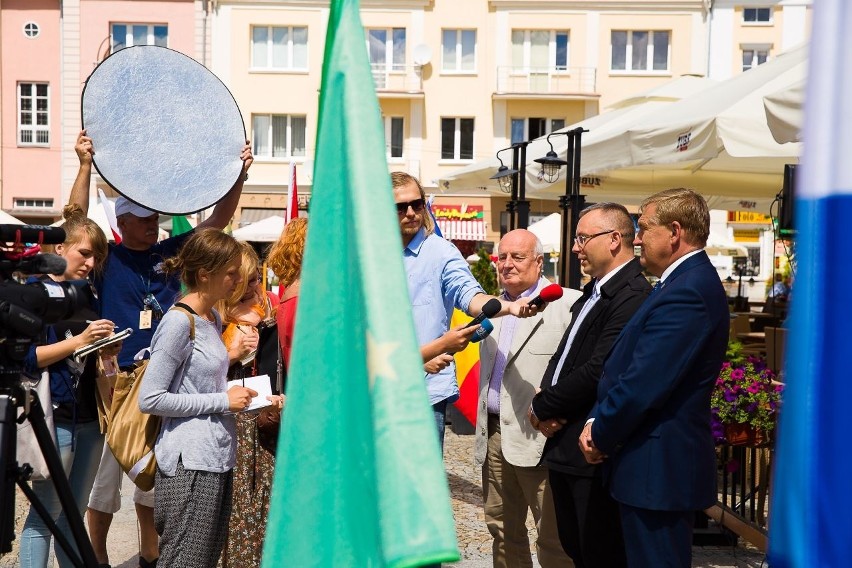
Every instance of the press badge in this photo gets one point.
(145, 319)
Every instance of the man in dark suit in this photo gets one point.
(587, 518)
(651, 424)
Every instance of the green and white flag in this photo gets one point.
(359, 479)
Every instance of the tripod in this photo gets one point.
(11, 473)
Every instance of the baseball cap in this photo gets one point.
(124, 205)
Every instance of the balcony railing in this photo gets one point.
(546, 80)
(397, 78)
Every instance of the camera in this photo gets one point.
(26, 308)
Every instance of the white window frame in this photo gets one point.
(291, 45)
(455, 66)
(756, 50)
(150, 37)
(552, 66)
(457, 139)
(31, 30)
(32, 203)
(548, 125)
(33, 127)
(288, 144)
(389, 122)
(649, 56)
(389, 65)
(757, 21)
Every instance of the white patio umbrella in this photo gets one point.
(549, 232)
(6, 219)
(784, 112)
(614, 118)
(715, 141)
(264, 231)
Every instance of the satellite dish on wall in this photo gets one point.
(422, 54)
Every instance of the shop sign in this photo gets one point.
(747, 235)
(461, 212)
(750, 217)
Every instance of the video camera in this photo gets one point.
(26, 308)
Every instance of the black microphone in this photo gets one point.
(489, 310)
(40, 264)
(32, 234)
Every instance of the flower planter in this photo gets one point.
(745, 435)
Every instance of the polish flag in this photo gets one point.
(292, 196)
(109, 209)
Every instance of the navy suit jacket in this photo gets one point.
(576, 390)
(652, 417)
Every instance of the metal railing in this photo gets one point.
(397, 78)
(546, 80)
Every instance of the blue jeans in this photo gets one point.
(440, 410)
(80, 465)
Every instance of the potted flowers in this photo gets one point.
(745, 400)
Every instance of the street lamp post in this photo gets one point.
(523, 203)
(571, 200)
(507, 180)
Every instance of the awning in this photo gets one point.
(249, 215)
(470, 230)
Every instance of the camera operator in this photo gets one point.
(73, 393)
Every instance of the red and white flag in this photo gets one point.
(292, 196)
(109, 210)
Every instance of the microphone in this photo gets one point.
(489, 310)
(548, 294)
(485, 329)
(39, 264)
(32, 234)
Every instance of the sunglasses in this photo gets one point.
(417, 205)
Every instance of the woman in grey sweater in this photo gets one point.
(185, 382)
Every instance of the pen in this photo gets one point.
(93, 321)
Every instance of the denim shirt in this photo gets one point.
(439, 279)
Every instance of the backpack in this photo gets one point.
(132, 434)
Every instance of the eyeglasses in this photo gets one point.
(581, 240)
(417, 205)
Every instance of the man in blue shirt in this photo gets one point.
(439, 280)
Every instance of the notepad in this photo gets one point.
(261, 384)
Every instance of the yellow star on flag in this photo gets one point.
(378, 359)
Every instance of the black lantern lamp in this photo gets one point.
(550, 164)
(505, 177)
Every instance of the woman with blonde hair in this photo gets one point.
(186, 383)
(73, 391)
(249, 315)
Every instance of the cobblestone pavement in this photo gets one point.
(475, 542)
(465, 486)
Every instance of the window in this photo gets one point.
(534, 127)
(278, 135)
(753, 57)
(31, 29)
(640, 50)
(387, 48)
(458, 50)
(128, 35)
(394, 136)
(757, 15)
(540, 49)
(32, 203)
(33, 114)
(276, 47)
(456, 138)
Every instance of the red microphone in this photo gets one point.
(549, 294)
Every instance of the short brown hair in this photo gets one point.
(400, 179)
(285, 256)
(618, 216)
(77, 225)
(207, 249)
(687, 208)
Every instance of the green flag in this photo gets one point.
(359, 479)
(180, 225)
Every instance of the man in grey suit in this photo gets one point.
(512, 361)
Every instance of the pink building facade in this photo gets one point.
(49, 48)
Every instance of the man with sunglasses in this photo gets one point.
(439, 279)
(586, 516)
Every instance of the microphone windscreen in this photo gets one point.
(551, 293)
(48, 264)
(485, 329)
(491, 307)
